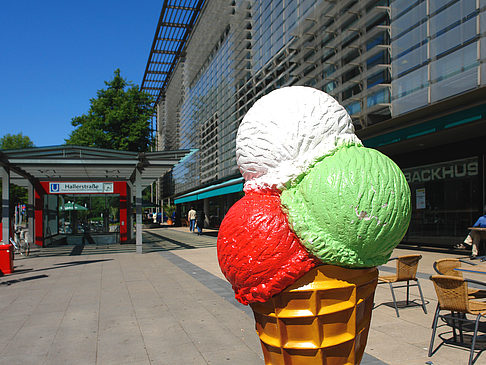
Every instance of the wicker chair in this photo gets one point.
(448, 266)
(452, 295)
(406, 271)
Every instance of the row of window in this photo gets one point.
(447, 33)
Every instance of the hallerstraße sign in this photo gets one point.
(443, 171)
(80, 187)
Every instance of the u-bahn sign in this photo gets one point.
(80, 187)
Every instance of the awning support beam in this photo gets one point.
(5, 174)
(30, 212)
(138, 210)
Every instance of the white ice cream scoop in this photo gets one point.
(286, 132)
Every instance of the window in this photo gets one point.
(330, 86)
(353, 108)
(380, 97)
(348, 75)
(380, 77)
(350, 56)
(380, 58)
(351, 91)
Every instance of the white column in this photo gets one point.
(138, 210)
(5, 174)
(31, 212)
(206, 212)
(129, 223)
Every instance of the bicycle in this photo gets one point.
(24, 242)
(21, 243)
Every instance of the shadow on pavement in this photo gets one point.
(164, 238)
(82, 262)
(20, 271)
(210, 232)
(63, 265)
(438, 249)
(65, 250)
(13, 281)
(402, 304)
(77, 250)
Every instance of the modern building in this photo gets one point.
(410, 73)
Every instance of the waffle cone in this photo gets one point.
(323, 318)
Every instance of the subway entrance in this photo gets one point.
(96, 216)
(84, 212)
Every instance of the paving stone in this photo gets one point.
(112, 306)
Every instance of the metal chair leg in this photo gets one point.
(421, 297)
(461, 332)
(434, 329)
(408, 290)
(473, 345)
(454, 326)
(394, 299)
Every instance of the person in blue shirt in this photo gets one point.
(474, 237)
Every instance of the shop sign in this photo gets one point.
(420, 198)
(443, 171)
(80, 187)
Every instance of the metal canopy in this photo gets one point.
(176, 21)
(75, 163)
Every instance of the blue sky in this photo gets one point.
(56, 54)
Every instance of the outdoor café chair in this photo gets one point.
(448, 266)
(406, 271)
(452, 295)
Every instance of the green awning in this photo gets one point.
(432, 126)
(227, 187)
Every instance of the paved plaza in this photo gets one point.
(171, 305)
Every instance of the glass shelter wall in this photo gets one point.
(89, 213)
(80, 214)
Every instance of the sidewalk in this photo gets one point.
(170, 305)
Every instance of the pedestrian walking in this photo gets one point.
(200, 216)
(191, 217)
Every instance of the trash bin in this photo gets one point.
(6, 259)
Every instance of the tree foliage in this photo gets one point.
(118, 118)
(18, 194)
(15, 141)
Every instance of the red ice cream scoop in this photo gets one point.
(257, 251)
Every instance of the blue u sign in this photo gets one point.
(54, 188)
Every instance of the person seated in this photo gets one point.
(474, 238)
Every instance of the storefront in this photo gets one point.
(82, 212)
(447, 197)
(442, 151)
(214, 200)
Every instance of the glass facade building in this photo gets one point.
(409, 73)
(437, 49)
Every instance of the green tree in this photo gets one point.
(18, 194)
(118, 118)
(15, 141)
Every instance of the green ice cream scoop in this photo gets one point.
(350, 209)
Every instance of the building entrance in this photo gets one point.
(84, 212)
(88, 213)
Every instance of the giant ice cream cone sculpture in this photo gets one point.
(320, 212)
(323, 318)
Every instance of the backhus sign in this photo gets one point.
(80, 187)
(443, 171)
